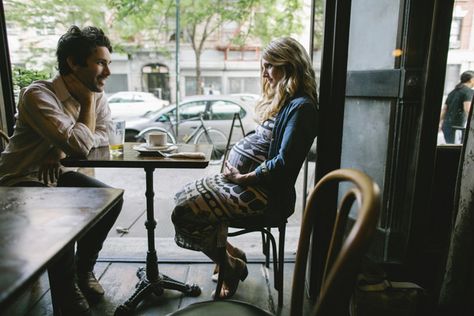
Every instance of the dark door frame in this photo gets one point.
(331, 111)
(417, 85)
(6, 72)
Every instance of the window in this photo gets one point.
(116, 83)
(190, 110)
(143, 60)
(223, 110)
(244, 85)
(453, 71)
(210, 85)
(455, 35)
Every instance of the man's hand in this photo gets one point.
(49, 169)
(233, 175)
(78, 90)
(86, 99)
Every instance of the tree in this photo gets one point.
(318, 26)
(50, 18)
(200, 19)
(132, 23)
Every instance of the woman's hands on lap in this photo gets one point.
(233, 175)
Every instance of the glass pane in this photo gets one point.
(192, 110)
(372, 45)
(365, 139)
(458, 91)
(145, 60)
(373, 32)
(222, 110)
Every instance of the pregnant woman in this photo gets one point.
(262, 168)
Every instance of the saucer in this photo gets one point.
(160, 148)
(144, 148)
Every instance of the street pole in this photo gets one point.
(177, 66)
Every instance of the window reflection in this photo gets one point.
(460, 60)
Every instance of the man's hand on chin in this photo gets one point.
(78, 90)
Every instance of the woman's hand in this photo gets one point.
(233, 175)
(50, 168)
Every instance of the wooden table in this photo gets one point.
(150, 280)
(36, 224)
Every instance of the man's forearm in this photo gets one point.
(467, 107)
(87, 116)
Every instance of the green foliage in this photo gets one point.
(256, 20)
(135, 24)
(48, 18)
(56, 14)
(23, 77)
(276, 19)
(318, 26)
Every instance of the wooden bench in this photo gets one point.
(36, 224)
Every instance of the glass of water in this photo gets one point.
(116, 132)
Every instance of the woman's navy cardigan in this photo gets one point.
(296, 126)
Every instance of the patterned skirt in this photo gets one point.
(205, 207)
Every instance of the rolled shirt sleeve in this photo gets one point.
(56, 120)
(43, 112)
(47, 120)
(103, 121)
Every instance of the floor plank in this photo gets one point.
(119, 281)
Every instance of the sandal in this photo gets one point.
(236, 253)
(231, 283)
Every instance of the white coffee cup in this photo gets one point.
(157, 139)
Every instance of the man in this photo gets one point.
(67, 115)
(456, 108)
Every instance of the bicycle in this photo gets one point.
(200, 135)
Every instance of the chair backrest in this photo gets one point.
(4, 139)
(343, 255)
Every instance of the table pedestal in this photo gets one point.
(150, 279)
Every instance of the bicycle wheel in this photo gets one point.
(215, 138)
(142, 136)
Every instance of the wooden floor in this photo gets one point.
(119, 280)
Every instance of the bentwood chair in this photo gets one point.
(341, 259)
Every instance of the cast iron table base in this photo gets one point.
(151, 281)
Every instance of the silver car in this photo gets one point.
(216, 111)
(132, 104)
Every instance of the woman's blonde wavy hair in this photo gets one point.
(298, 76)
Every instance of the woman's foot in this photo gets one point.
(234, 252)
(235, 272)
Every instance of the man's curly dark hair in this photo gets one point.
(79, 44)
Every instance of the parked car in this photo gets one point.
(217, 111)
(247, 97)
(132, 104)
